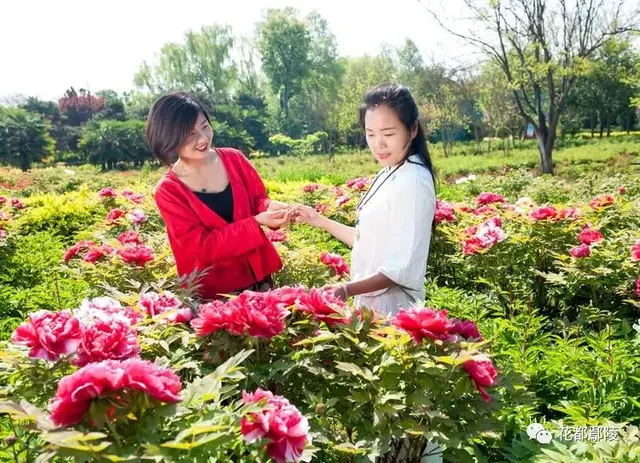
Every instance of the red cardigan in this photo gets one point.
(235, 255)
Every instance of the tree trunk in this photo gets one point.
(285, 101)
(24, 162)
(608, 124)
(601, 126)
(593, 123)
(546, 140)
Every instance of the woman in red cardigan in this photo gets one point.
(213, 202)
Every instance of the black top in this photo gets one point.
(221, 203)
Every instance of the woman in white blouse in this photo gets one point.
(390, 242)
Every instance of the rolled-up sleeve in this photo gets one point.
(412, 209)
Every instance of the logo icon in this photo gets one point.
(536, 431)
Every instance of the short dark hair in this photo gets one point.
(170, 122)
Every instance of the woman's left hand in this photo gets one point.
(337, 290)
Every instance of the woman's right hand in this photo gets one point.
(273, 219)
(300, 213)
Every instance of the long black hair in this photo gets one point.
(400, 100)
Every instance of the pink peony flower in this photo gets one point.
(467, 329)
(105, 340)
(544, 213)
(622, 190)
(137, 216)
(107, 193)
(49, 334)
(489, 198)
(280, 423)
(157, 304)
(259, 315)
(358, 184)
(589, 236)
(484, 236)
(600, 202)
(336, 262)
(485, 210)
(138, 254)
(580, 251)
(77, 391)
(568, 214)
(311, 187)
(423, 323)
(15, 202)
(3, 200)
(133, 197)
(342, 200)
(130, 237)
(444, 212)
(635, 252)
(323, 306)
(483, 374)
(322, 208)
(276, 236)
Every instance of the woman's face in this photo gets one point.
(198, 142)
(387, 137)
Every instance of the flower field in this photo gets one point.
(533, 301)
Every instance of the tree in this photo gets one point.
(541, 46)
(24, 138)
(107, 143)
(202, 64)
(284, 42)
(361, 74)
(79, 107)
(446, 115)
(114, 106)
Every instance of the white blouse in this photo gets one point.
(393, 232)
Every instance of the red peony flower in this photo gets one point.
(105, 340)
(444, 212)
(336, 262)
(280, 423)
(3, 200)
(104, 379)
(635, 251)
(485, 210)
(589, 236)
(600, 202)
(544, 213)
(311, 187)
(95, 253)
(49, 334)
(489, 198)
(467, 329)
(138, 254)
(76, 249)
(622, 190)
(323, 306)
(580, 251)
(212, 317)
(114, 215)
(130, 237)
(483, 374)
(107, 193)
(423, 323)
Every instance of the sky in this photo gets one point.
(46, 46)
